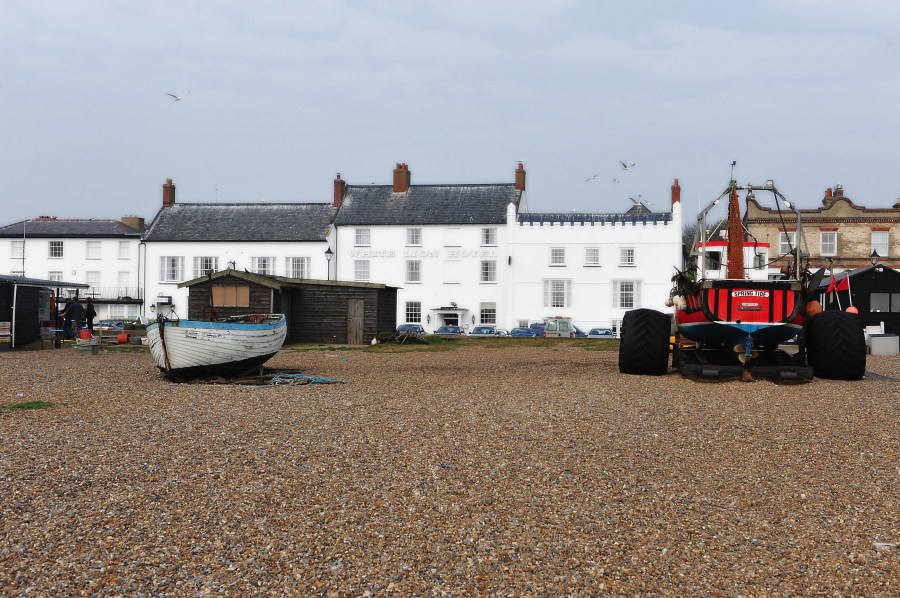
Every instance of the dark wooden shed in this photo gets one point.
(875, 293)
(317, 311)
(26, 306)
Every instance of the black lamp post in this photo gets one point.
(328, 255)
(874, 257)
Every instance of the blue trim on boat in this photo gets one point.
(226, 325)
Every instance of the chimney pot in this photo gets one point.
(340, 188)
(168, 194)
(676, 192)
(402, 178)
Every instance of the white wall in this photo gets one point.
(522, 255)
(657, 251)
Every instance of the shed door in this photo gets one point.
(355, 321)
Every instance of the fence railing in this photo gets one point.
(109, 293)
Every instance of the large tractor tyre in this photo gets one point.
(644, 346)
(836, 346)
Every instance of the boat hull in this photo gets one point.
(190, 348)
(729, 312)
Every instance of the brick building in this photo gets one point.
(839, 235)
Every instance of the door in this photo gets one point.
(355, 321)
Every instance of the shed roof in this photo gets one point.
(40, 282)
(55, 228)
(242, 222)
(426, 204)
(277, 282)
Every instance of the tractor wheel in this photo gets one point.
(836, 346)
(644, 346)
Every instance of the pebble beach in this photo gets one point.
(463, 470)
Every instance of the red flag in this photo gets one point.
(844, 285)
(831, 286)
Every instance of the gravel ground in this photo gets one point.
(510, 471)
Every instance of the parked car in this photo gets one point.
(601, 333)
(579, 333)
(523, 332)
(484, 331)
(539, 329)
(449, 331)
(501, 332)
(110, 325)
(411, 328)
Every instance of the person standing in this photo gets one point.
(75, 313)
(89, 314)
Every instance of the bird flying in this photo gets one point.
(177, 98)
(615, 180)
(626, 166)
(591, 178)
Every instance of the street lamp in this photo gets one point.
(328, 255)
(874, 257)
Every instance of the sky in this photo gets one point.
(279, 96)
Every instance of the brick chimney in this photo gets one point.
(676, 192)
(168, 194)
(402, 178)
(340, 188)
(520, 177)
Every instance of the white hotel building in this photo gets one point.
(467, 255)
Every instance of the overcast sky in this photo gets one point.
(278, 96)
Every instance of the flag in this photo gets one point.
(831, 285)
(844, 285)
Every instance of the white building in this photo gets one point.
(101, 253)
(467, 255)
(186, 241)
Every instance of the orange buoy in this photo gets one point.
(852, 309)
(122, 338)
(84, 334)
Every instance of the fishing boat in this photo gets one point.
(229, 347)
(726, 325)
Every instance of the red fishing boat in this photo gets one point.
(731, 324)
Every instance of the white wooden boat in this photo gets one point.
(230, 347)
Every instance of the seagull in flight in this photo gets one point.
(177, 98)
(591, 178)
(615, 180)
(626, 166)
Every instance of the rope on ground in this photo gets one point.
(280, 379)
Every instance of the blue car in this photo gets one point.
(523, 332)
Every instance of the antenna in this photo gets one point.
(733, 164)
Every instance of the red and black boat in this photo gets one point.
(727, 325)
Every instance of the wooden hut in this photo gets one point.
(317, 311)
(26, 306)
(874, 291)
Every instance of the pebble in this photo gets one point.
(516, 470)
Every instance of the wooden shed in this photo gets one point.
(26, 306)
(875, 293)
(317, 311)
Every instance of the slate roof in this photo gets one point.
(242, 222)
(426, 204)
(55, 228)
(279, 282)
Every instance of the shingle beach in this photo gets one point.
(517, 470)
